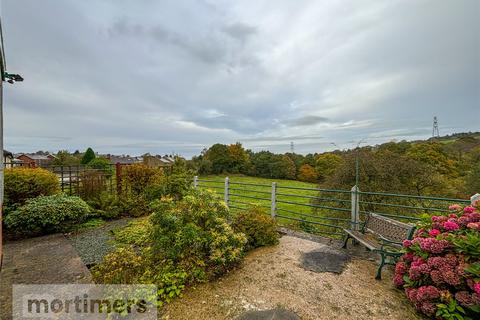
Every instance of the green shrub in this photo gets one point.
(135, 205)
(126, 266)
(92, 183)
(47, 214)
(138, 177)
(106, 205)
(258, 226)
(194, 234)
(137, 232)
(179, 180)
(123, 266)
(25, 183)
(102, 165)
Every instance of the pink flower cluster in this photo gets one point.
(422, 298)
(447, 270)
(467, 299)
(431, 245)
(432, 270)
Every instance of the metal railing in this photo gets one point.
(324, 211)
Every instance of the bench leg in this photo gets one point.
(380, 267)
(345, 241)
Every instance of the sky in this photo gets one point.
(130, 77)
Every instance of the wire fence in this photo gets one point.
(324, 211)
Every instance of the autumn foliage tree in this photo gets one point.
(326, 164)
(307, 173)
(238, 158)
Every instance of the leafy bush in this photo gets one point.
(143, 184)
(25, 183)
(123, 266)
(440, 270)
(179, 180)
(135, 205)
(47, 214)
(102, 165)
(92, 183)
(259, 228)
(138, 177)
(106, 205)
(137, 232)
(195, 235)
(126, 266)
(153, 183)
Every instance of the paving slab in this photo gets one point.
(43, 260)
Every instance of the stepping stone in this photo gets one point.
(325, 259)
(274, 314)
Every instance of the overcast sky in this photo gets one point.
(160, 76)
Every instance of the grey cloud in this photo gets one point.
(282, 138)
(209, 47)
(240, 31)
(306, 121)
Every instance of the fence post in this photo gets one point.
(274, 200)
(355, 219)
(118, 174)
(195, 182)
(61, 174)
(226, 192)
(70, 179)
(474, 198)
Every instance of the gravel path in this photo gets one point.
(92, 245)
(274, 277)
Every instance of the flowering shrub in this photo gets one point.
(440, 270)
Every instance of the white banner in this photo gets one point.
(84, 301)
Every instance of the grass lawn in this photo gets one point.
(291, 202)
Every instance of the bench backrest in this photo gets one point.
(388, 228)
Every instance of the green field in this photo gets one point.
(301, 204)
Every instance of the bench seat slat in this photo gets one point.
(362, 239)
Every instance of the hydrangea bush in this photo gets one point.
(440, 270)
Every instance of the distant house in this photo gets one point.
(158, 161)
(123, 159)
(7, 158)
(35, 160)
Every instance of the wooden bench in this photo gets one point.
(383, 236)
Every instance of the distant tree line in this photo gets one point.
(448, 167)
